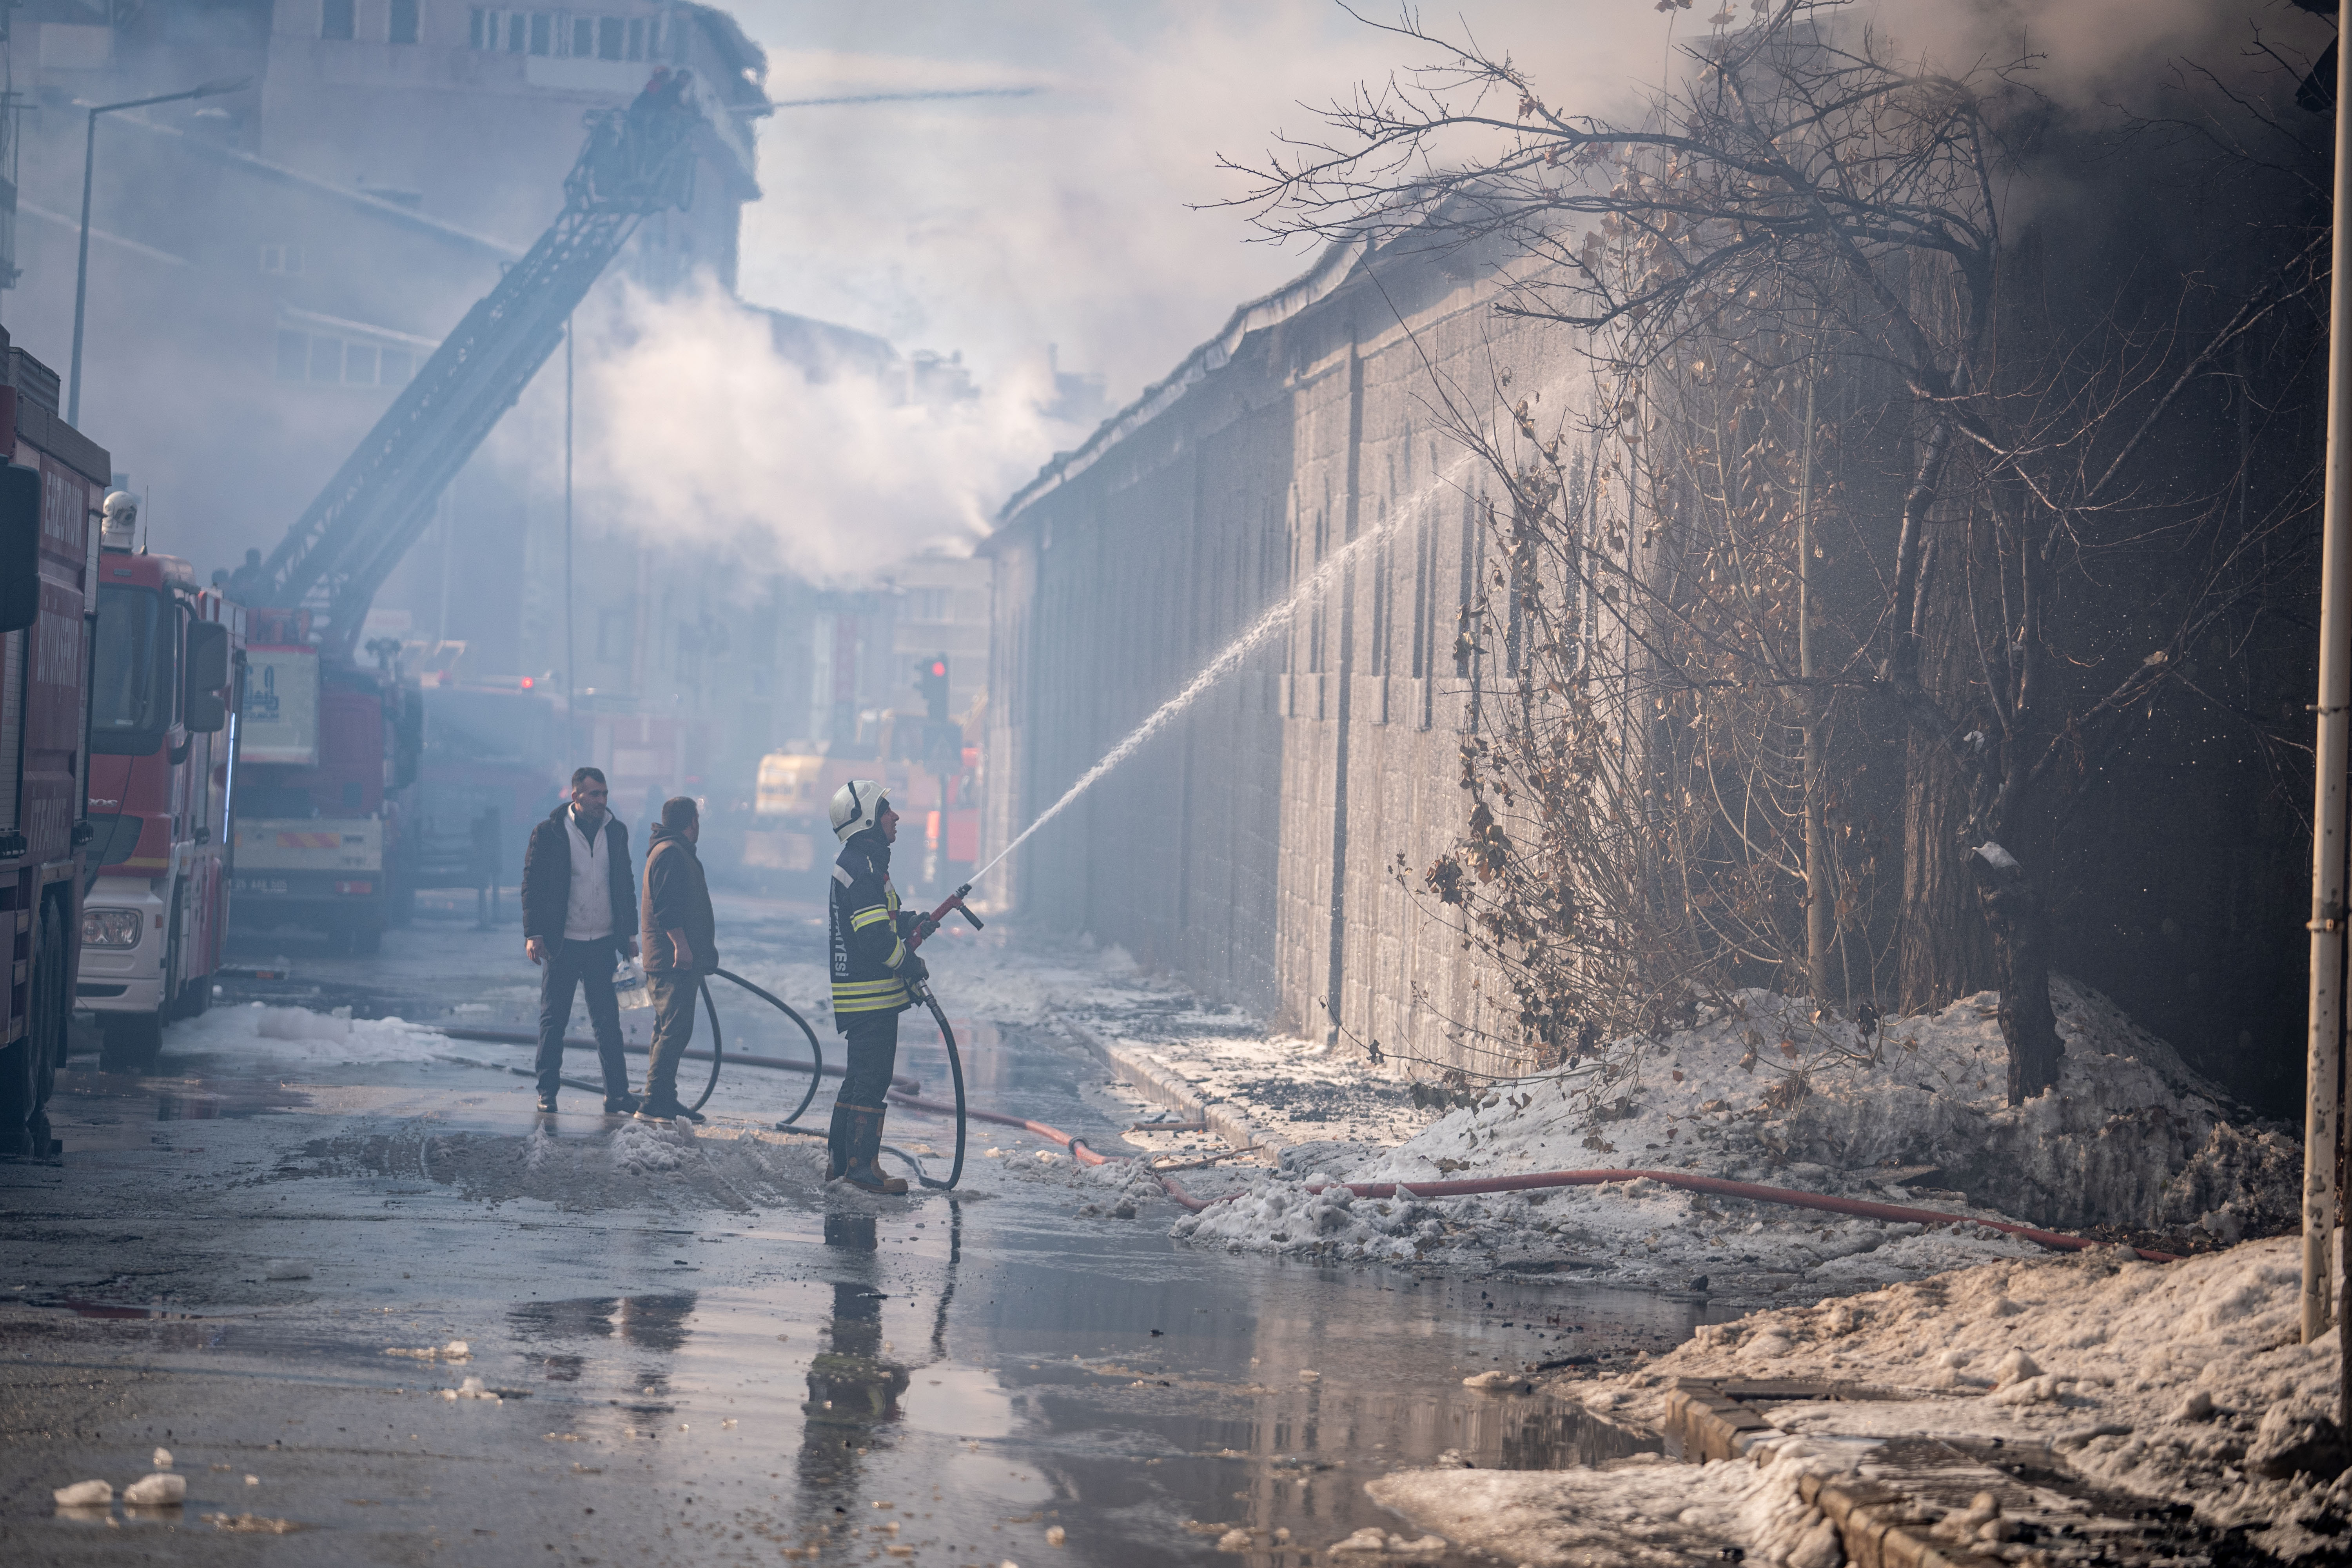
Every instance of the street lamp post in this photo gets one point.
(81, 264)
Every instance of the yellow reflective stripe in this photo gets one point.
(867, 987)
(864, 918)
(897, 955)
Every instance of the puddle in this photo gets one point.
(987, 1377)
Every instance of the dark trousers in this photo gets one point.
(588, 967)
(872, 1052)
(675, 993)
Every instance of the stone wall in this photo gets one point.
(1253, 849)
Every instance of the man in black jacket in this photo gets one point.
(875, 978)
(579, 913)
(681, 939)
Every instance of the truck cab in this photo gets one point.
(162, 772)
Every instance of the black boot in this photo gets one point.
(864, 1169)
(840, 1140)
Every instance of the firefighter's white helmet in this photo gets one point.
(120, 515)
(856, 806)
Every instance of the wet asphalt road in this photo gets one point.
(690, 1350)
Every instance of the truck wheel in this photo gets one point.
(367, 943)
(52, 1017)
(28, 1065)
(130, 1042)
(196, 997)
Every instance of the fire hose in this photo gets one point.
(1717, 1186)
(921, 990)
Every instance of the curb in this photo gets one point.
(1878, 1526)
(1156, 1084)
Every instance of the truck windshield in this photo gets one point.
(132, 667)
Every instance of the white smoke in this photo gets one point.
(693, 429)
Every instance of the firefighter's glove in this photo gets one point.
(924, 927)
(915, 972)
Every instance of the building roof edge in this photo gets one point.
(1332, 267)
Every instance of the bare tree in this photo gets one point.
(1708, 579)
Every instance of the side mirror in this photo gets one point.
(207, 673)
(20, 547)
(206, 713)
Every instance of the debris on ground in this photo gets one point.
(1914, 1114)
(85, 1494)
(2182, 1383)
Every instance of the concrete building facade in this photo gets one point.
(1266, 846)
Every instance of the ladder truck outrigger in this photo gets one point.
(320, 838)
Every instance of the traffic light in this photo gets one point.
(931, 680)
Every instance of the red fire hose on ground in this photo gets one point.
(1532, 1182)
(1539, 1180)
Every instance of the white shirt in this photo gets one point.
(588, 915)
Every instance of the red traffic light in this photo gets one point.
(939, 667)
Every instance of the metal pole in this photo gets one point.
(81, 266)
(82, 274)
(571, 655)
(2323, 1069)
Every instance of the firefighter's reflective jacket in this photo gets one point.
(868, 933)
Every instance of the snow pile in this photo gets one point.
(641, 1150)
(2184, 1381)
(1766, 1092)
(1641, 1512)
(298, 1037)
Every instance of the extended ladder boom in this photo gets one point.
(637, 162)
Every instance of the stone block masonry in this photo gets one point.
(1253, 849)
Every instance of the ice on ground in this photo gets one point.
(1766, 1092)
(298, 1036)
(1645, 1512)
(2183, 1382)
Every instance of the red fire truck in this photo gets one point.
(163, 765)
(328, 764)
(48, 593)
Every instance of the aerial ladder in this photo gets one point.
(322, 836)
(637, 162)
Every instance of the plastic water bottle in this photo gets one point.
(629, 986)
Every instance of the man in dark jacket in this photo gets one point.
(873, 976)
(681, 939)
(579, 909)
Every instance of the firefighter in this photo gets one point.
(875, 978)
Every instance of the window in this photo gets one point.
(132, 678)
(927, 603)
(609, 34)
(637, 38)
(281, 258)
(484, 24)
(403, 21)
(518, 32)
(315, 357)
(583, 38)
(335, 18)
(543, 33)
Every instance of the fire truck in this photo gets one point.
(327, 757)
(49, 492)
(162, 772)
(320, 833)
